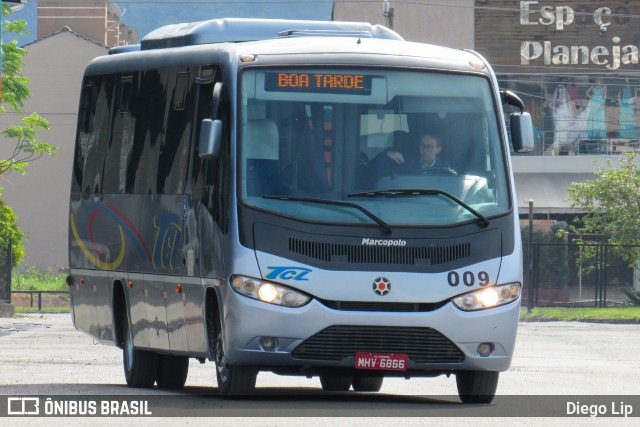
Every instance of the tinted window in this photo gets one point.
(94, 132)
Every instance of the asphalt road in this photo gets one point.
(44, 355)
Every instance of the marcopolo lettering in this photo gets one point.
(366, 241)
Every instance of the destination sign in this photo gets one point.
(339, 83)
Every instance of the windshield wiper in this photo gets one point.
(483, 221)
(364, 210)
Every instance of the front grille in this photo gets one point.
(422, 345)
(398, 255)
(391, 307)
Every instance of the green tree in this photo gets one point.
(15, 90)
(612, 206)
(551, 255)
(9, 231)
(27, 146)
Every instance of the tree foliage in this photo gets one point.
(551, 255)
(15, 90)
(612, 206)
(9, 231)
(27, 144)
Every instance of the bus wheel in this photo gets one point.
(140, 367)
(233, 381)
(335, 383)
(367, 383)
(172, 371)
(477, 386)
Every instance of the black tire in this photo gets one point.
(172, 371)
(367, 383)
(477, 386)
(140, 367)
(234, 382)
(335, 383)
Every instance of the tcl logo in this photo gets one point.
(288, 273)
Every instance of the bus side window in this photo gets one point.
(86, 111)
(122, 134)
(93, 138)
(174, 152)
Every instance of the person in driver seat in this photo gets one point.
(427, 159)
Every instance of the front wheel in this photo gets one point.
(233, 381)
(477, 386)
(140, 367)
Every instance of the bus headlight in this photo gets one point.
(490, 297)
(268, 292)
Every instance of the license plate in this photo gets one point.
(381, 361)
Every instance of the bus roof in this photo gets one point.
(274, 41)
(242, 30)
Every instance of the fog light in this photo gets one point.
(268, 343)
(485, 349)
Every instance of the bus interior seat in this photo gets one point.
(262, 154)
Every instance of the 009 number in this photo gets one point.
(468, 278)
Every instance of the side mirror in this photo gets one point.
(522, 132)
(210, 138)
(511, 98)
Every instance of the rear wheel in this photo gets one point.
(140, 367)
(477, 386)
(172, 371)
(367, 383)
(233, 381)
(335, 383)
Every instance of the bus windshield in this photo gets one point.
(352, 146)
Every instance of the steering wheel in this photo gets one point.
(438, 171)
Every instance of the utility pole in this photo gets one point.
(388, 14)
(530, 295)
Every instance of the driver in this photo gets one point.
(428, 157)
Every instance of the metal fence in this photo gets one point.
(5, 272)
(39, 295)
(577, 275)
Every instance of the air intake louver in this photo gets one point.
(422, 345)
(358, 254)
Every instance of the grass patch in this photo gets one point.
(603, 315)
(36, 280)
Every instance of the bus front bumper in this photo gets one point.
(267, 336)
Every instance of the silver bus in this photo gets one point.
(307, 198)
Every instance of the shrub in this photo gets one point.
(9, 231)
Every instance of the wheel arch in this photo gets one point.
(212, 309)
(119, 306)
